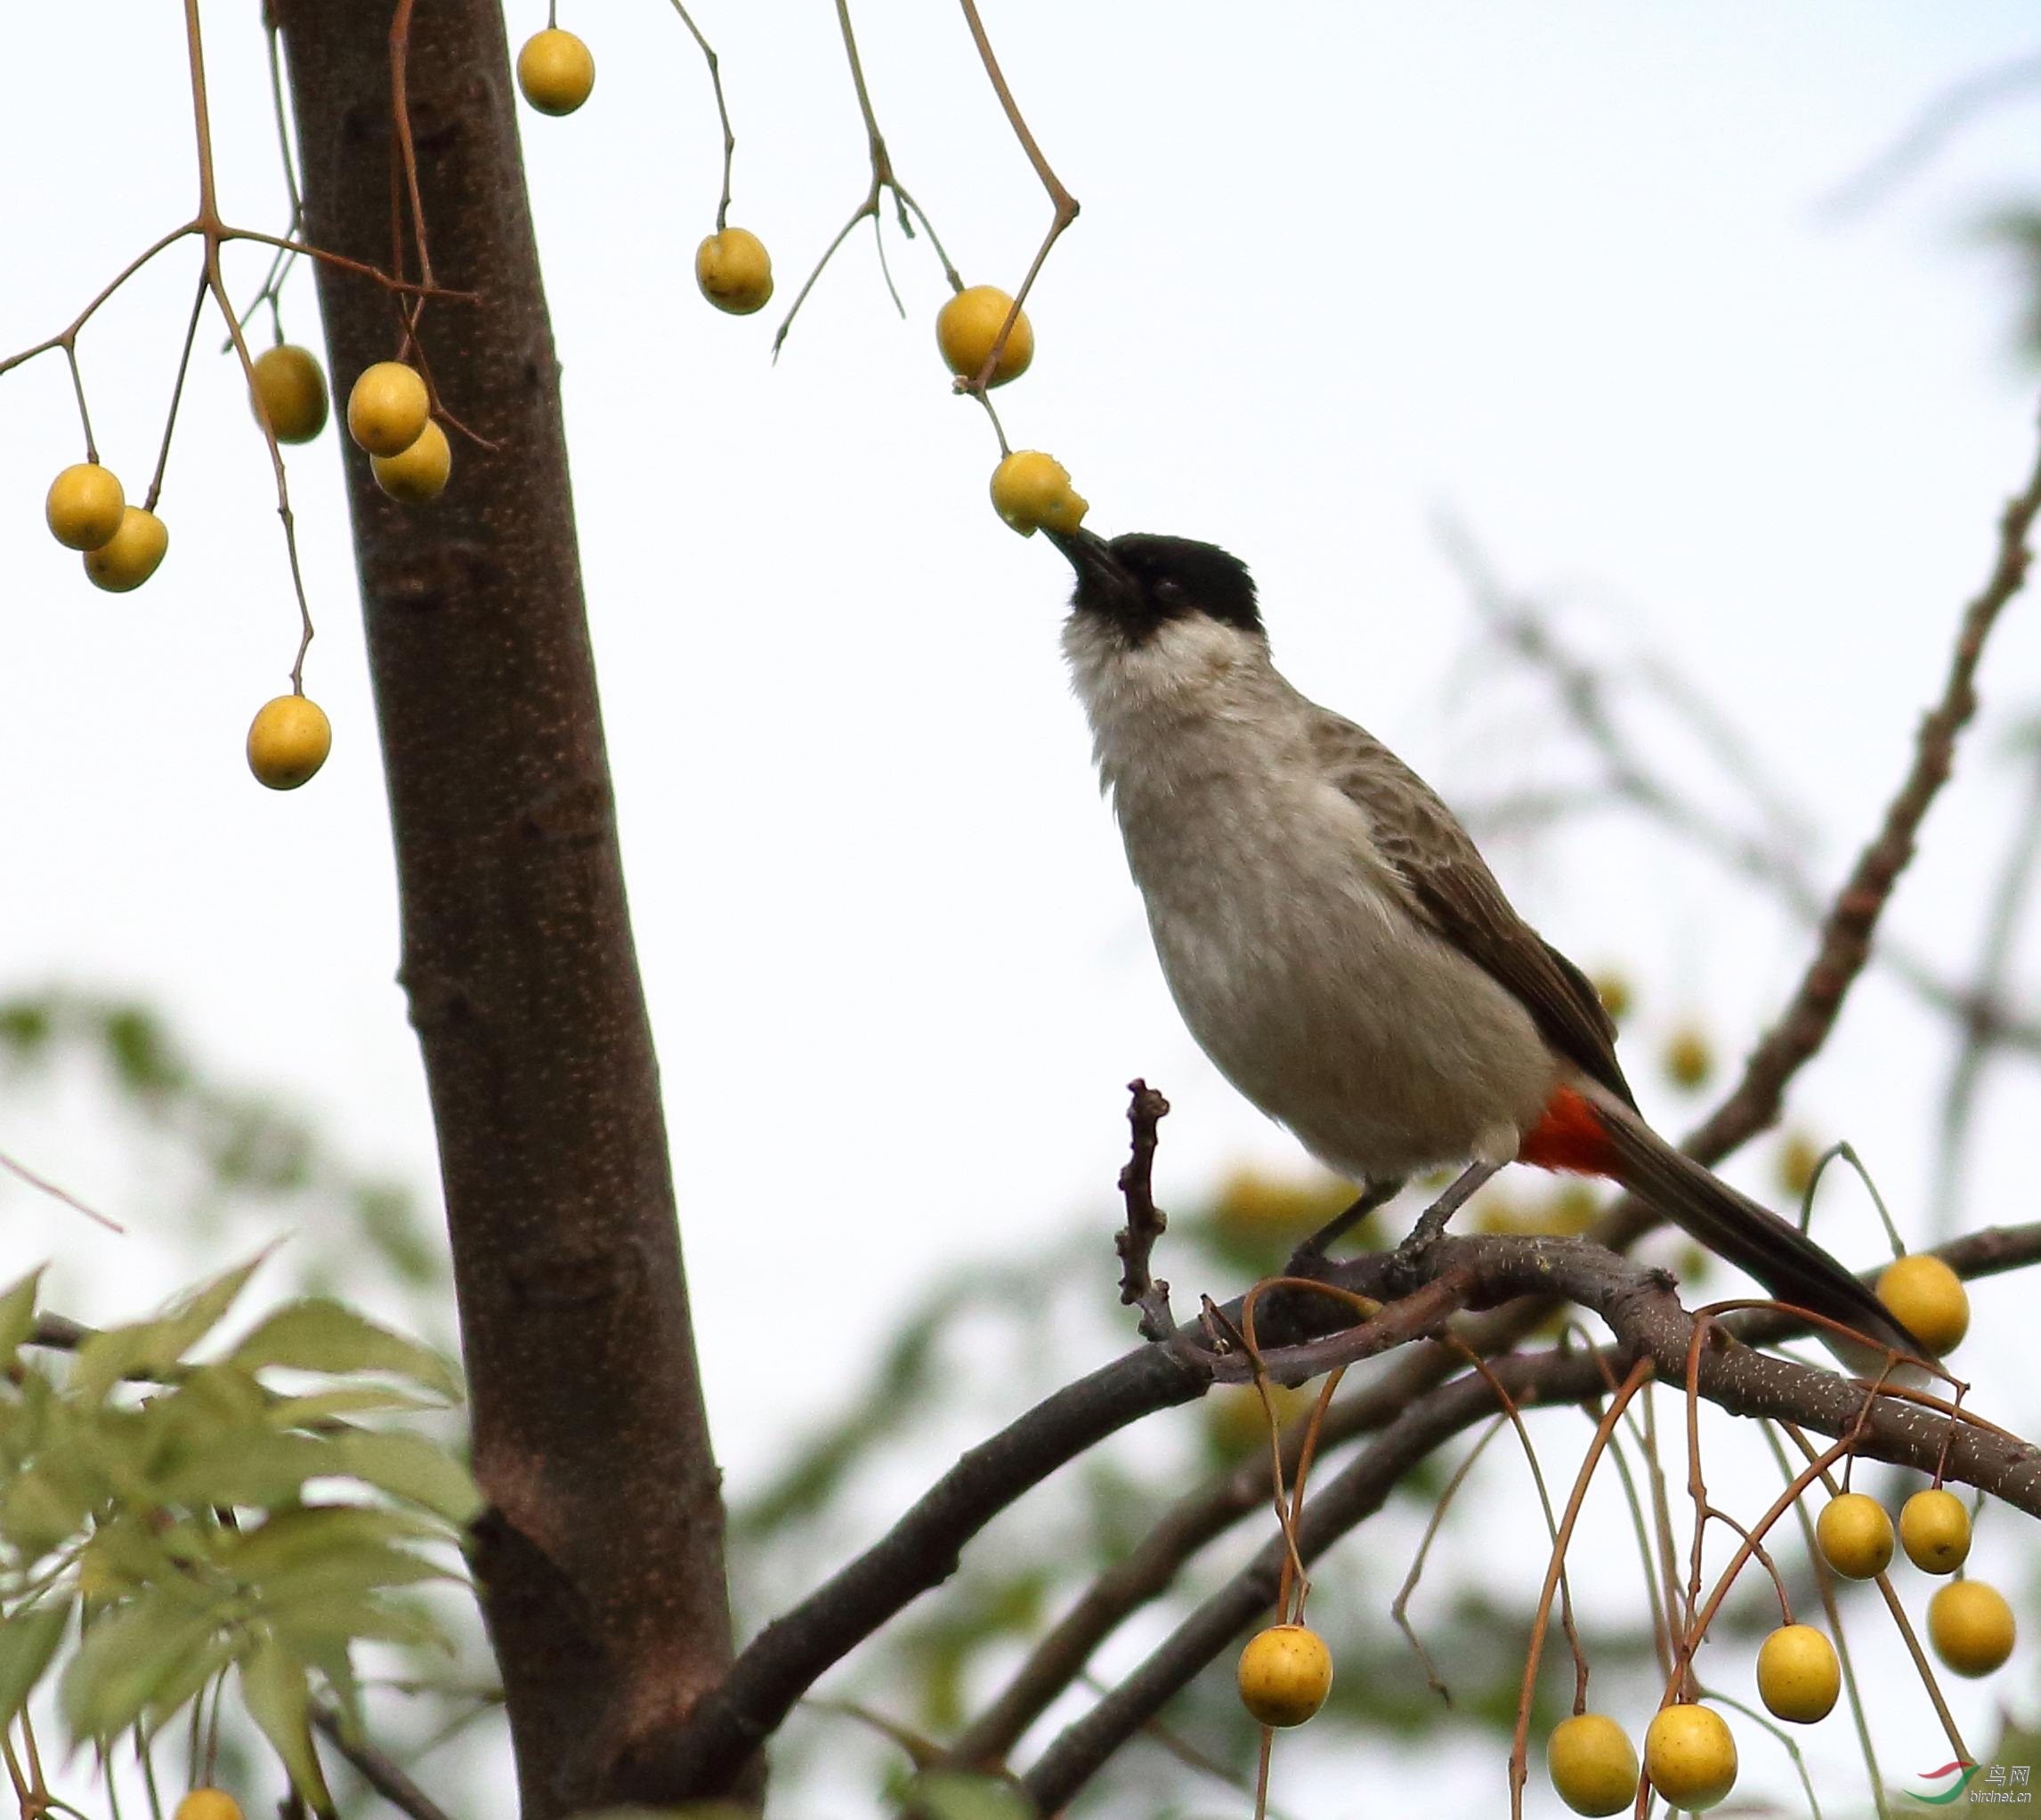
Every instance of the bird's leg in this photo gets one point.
(1373, 1195)
(1432, 1221)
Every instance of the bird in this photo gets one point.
(1337, 945)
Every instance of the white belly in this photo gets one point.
(1317, 993)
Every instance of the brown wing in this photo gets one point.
(1450, 884)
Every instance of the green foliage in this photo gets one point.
(198, 1519)
(952, 1794)
(247, 1149)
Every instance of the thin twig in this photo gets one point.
(907, 210)
(1852, 920)
(1399, 1606)
(1065, 205)
(176, 394)
(722, 111)
(2003, 920)
(45, 1186)
(378, 1770)
(1145, 1221)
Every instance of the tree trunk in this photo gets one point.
(601, 1554)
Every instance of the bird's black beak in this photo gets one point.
(1103, 580)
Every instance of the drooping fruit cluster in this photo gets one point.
(390, 416)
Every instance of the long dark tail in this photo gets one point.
(1733, 1226)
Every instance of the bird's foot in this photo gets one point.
(1312, 1251)
(1431, 1223)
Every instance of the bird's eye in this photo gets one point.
(1169, 591)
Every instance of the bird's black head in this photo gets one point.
(1141, 582)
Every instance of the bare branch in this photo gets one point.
(380, 1771)
(1065, 205)
(1145, 1221)
(1639, 1307)
(1846, 932)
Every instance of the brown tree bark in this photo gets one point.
(600, 1555)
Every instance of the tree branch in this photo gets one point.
(1640, 1306)
(1852, 918)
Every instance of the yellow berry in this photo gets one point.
(1593, 1764)
(1934, 1529)
(1613, 988)
(1970, 1627)
(555, 70)
(735, 271)
(1794, 1163)
(208, 1804)
(1236, 1421)
(1855, 1535)
(85, 506)
(129, 556)
(1031, 491)
(1252, 1201)
(1690, 1757)
(420, 472)
(1689, 1057)
(1929, 1298)
(969, 323)
(388, 409)
(1798, 1674)
(287, 741)
(289, 393)
(1285, 1674)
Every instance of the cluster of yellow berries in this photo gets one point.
(124, 545)
(88, 511)
(556, 73)
(1689, 1753)
(1031, 490)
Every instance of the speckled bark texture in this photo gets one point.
(601, 1553)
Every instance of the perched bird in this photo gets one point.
(1337, 944)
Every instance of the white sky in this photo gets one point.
(1558, 271)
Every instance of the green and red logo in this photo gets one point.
(1949, 1790)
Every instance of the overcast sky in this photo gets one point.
(1561, 273)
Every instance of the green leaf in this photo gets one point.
(320, 1630)
(259, 1471)
(39, 1513)
(28, 1640)
(346, 1400)
(274, 1690)
(411, 1467)
(125, 1658)
(18, 1313)
(191, 1675)
(319, 1335)
(294, 1539)
(952, 1794)
(150, 1348)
